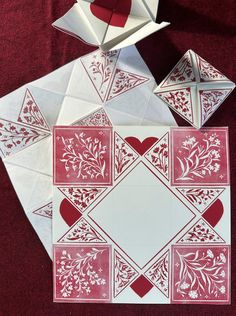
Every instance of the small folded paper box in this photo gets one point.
(111, 24)
(194, 89)
(96, 89)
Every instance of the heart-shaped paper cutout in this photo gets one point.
(112, 12)
(214, 213)
(141, 147)
(69, 213)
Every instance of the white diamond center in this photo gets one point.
(141, 215)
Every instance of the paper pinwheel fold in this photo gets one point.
(111, 24)
(194, 89)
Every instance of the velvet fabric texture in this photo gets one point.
(31, 48)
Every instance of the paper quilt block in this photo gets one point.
(158, 232)
(194, 89)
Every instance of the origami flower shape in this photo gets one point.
(111, 24)
(194, 89)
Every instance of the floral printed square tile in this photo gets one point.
(200, 274)
(84, 157)
(200, 157)
(81, 272)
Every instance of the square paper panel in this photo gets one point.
(142, 215)
(96, 89)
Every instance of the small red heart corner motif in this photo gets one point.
(112, 12)
(214, 213)
(69, 213)
(141, 147)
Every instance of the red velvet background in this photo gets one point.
(31, 48)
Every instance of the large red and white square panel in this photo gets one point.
(161, 227)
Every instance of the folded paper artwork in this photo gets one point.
(141, 214)
(92, 90)
(194, 89)
(111, 24)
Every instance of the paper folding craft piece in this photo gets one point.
(97, 89)
(111, 24)
(141, 215)
(194, 89)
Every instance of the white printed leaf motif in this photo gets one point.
(201, 160)
(77, 274)
(88, 162)
(201, 273)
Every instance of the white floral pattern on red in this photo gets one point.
(83, 155)
(82, 232)
(180, 101)
(210, 100)
(182, 73)
(124, 273)
(124, 81)
(124, 156)
(200, 274)
(45, 211)
(158, 273)
(97, 118)
(82, 198)
(30, 113)
(201, 232)
(15, 137)
(201, 198)
(200, 157)
(208, 72)
(159, 156)
(82, 273)
(100, 67)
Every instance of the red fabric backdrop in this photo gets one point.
(31, 48)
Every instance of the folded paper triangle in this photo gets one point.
(30, 113)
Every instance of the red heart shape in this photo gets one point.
(69, 213)
(112, 12)
(141, 147)
(214, 213)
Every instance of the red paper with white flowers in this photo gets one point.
(141, 215)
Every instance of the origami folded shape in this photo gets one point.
(97, 89)
(194, 89)
(111, 24)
